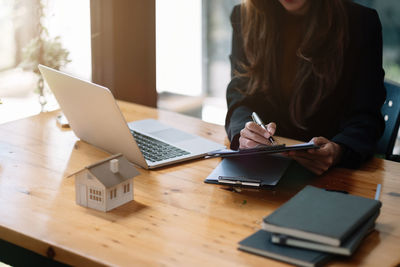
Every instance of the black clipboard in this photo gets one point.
(262, 149)
(251, 171)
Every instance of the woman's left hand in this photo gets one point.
(318, 160)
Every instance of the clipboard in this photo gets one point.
(261, 149)
(251, 171)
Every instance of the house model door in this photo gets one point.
(82, 195)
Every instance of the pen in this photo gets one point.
(257, 120)
(378, 191)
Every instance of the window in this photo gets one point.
(95, 195)
(193, 67)
(126, 188)
(18, 25)
(7, 30)
(389, 15)
(179, 48)
(113, 193)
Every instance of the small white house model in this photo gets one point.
(105, 185)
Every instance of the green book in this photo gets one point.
(260, 243)
(321, 216)
(347, 248)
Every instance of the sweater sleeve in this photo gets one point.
(238, 111)
(364, 124)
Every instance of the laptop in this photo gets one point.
(95, 118)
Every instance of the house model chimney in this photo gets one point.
(114, 166)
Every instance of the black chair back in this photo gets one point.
(390, 111)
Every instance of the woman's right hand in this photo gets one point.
(253, 135)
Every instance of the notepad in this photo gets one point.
(261, 149)
(250, 171)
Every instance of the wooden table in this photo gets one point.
(175, 219)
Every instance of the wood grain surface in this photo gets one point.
(175, 218)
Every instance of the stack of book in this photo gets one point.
(313, 226)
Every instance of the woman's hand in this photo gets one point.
(318, 160)
(253, 134)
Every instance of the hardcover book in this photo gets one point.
(260, 243)
(321, 216)
(347, 248)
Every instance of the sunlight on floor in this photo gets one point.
(21, 101)
(214, 110)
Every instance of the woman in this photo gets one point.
(313, 70)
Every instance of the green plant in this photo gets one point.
(46, 51)
(43, 50)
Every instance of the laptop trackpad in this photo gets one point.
(172, 135)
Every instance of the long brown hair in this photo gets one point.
(320, 55)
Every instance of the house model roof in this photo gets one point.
(102, 171)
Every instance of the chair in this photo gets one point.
(391, 112)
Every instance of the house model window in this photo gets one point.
(113, 193)
(105, 185)
(95, 194)
(126, 188)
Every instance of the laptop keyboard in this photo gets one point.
(156, 150)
